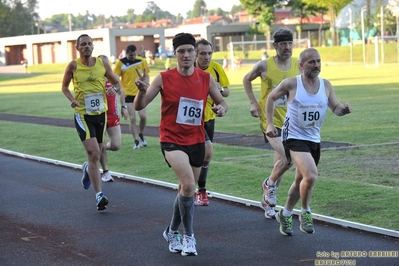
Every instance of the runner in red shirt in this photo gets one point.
(184, 92)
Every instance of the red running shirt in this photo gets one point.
(111, 101)
(182, 108)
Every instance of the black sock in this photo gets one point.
(203, 175)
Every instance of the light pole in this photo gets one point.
(350, 34)
(397, 33)
(382, 35)
(38, 29)
(394, 7)
(364, 45)
(69, 22)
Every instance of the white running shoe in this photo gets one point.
(189, 246)
(136, 145)
(269, 195)
(270, 213)
(143, 142)
(174, 240)
(106, 177)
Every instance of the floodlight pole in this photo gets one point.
(69, 22)
(382, 35)
(397, 33)
(350, 34)
(364, 45)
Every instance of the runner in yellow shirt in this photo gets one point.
(90, 104)
(272, 71)
(204, 62)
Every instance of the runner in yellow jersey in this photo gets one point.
(126, 69)
(90, 104)
(204, 62)
(272, 71)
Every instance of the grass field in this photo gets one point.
(359, 184)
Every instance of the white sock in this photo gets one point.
(286, 213)
(269, 182)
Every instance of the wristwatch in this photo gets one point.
(221, 90)
(124, 107)
(115, 89)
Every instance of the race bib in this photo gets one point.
(309, 115)
(94, 102)
(190, 112)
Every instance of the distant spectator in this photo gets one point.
(122, 54)
(112, 59)
(142, 51)
(148, 57)
(265, 55)
(24, 62)
(160, 51)
(167, 63)
(225, 63)
(237, 62)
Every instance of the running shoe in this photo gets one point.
(106, 177)
(143, 142)
(102, 202)
(285, 223)
(270, 213)
(174, 240)
(201, 198)
(189, 246)
(306, 223)
(269, 194)
(85, 178)
(136, 145)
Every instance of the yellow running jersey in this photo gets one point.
(89, 88)
(217, 72)
(273, 77)
(126, 69)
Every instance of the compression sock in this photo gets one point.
(176, 219)
(186, 205)
(203, 175)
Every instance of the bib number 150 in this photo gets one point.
(311, 116)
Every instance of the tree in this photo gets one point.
(334, 6)
(393, 7)
(235, 9)
(17, 18)
(217, 12)
(199, 9)
(20, 26)
(304, 10)
(130, 16)
(301, 10)
(4, 17)
(264, 11)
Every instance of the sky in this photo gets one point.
(47, 8)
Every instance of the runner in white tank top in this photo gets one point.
(305, 113)
(308, 97)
